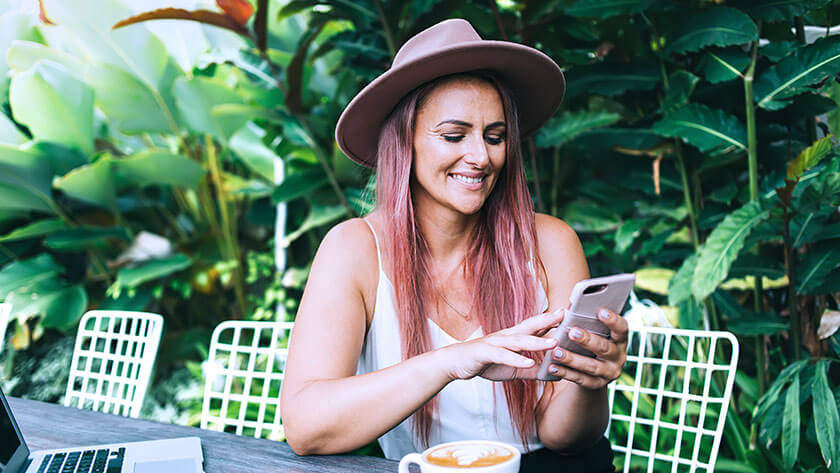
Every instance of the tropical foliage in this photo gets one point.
(140, 167)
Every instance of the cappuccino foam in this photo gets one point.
(469, 455)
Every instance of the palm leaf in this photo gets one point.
(797, 72)
(723, 246)
(703, 127)
(611, 79)
(572, 124)
(679, 289)
(790, 426)
(719, 26)
(723, 65)
(809, 157)
(820, 261)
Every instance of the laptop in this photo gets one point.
(182, 455)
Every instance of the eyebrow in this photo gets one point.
(468, 125)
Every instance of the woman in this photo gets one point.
(412, 314)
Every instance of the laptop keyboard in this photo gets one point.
(84, 461)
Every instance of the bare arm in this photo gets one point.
(326, 407)
(573, 412)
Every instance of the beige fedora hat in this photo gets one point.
(450, 47)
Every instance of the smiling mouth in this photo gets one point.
(468, 180)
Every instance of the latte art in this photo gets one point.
(470, 455)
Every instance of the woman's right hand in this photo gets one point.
(497, 356)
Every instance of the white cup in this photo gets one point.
(465, 452)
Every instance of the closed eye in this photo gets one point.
(494, 140)
(453, 138)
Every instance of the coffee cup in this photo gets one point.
(469, 456)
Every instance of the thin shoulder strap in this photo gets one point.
(375, 240)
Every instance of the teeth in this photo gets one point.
(468, 180)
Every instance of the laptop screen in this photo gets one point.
(10, 442)
(13, 451)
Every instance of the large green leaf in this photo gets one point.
(36, 229)
(706, 128)
(724, 64)
(587, 216)
(791, 426)
(196, 98)
(14, 25)
(826, 418)
(779, 10)
(26, 169)
(820, 261)
(152, 269)
(679, 288)
(606, 8)
(797, 72)
(680, 86)
(59, 305)
(298, 184)
(627, 232)
(84, 238)
(130, 105)
(611, 79)
(92, 183)
(54, 105)
(621, 138)
(318, 216)
(25, 273)
(720, 26)
(809, 157)
(750, 264)
(569, 125)
(248, 145)
(750, 324)
(24, 54)
(144, 168)
(723, 246)
(15, 199)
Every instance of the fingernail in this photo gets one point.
(553, 370)
(575, 333)
(604, 314)
(558, 353)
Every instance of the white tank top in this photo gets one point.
(466, 407)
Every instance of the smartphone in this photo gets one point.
(587, 298)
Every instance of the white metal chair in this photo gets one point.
(243, 376)
(112, 361)
(672, 399)
(5, 311)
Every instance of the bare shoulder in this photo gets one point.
(348, 246)
(555, 235)
(562, 257)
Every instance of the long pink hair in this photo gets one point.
(497, 262)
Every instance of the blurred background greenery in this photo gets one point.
(184, 163)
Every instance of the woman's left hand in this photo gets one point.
(594, 373)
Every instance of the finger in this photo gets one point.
(537, 323)
(581, 379)
(586, 364)
(502, 356)
(617, 325)
(595, 343)
(519, 343)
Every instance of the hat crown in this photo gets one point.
(443, 34)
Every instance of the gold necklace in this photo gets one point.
(462, 314)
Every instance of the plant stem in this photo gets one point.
(796, 337)
(389, 36)
(810, 124)
(232, 248)
(495, 9)
(325, 165)
(689, 203)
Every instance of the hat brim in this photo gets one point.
(534, 79)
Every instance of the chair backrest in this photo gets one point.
(112, 361)
(668, 408)
(5, 311)
(243, 376)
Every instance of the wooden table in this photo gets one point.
(52, 426)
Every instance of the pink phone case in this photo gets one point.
(587, 298)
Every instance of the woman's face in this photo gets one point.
(459, 145)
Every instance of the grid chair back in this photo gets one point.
(668, 408)
(243, 377)
(113, 360)
(5, 311)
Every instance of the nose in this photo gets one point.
(477, 154)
